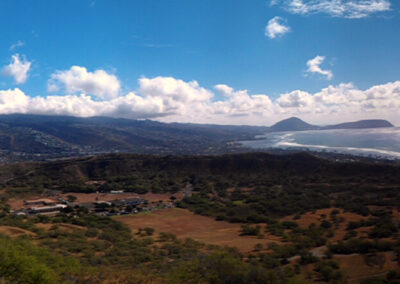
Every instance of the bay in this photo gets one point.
(372, 142)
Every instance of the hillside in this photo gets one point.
(33, 137)
(79, 170)
(292, 124)
(296, 124)
(372, 123)
(264, 219)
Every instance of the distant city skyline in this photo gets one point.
(224, 62)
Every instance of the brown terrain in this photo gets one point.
(325, 214)
(14, 231)
(61, 226)
(185, 224)
(357, 267)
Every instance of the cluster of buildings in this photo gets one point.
(117, 206)
(42, 206)
(47, 206)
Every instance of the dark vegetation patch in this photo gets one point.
(280, 185)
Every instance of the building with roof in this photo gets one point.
(47, 209)
(42, 201)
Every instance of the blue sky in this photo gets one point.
(153, 51)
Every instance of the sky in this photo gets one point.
(210, 61)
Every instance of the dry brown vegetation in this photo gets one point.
(185, 224)
(318, 216)
(14, 231)
(61, 226)
(357, 267)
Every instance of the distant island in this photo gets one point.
(296, 124)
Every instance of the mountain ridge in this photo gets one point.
(366, 123)
(297, 124)
(292, 124)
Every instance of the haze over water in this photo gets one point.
(373, 142)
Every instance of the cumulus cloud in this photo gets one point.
(351, 9)
(276, 27)
(174, 96)
(295, 99)
(18, 69)
(173, 100)
(240, 103)
(314, 66)
(78, 79)
(345, 102)
(13, 101)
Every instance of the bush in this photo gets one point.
(21, 262)
(328, 271)
(307, 258)
(258, 247)
(248, 230)
(326, 224)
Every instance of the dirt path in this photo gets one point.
(15, 177)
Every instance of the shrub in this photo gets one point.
(248, 230)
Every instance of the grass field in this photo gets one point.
(185, 224)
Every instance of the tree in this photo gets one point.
(258, 247)
(71, 198)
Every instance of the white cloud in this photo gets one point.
(18, 69)
(273, 2)
(169, 87)
(352, 9)
(314, 66)
(173, 96)
(173, 100)
(295, 99)
(16, 45)
(78, 79)
(13, 101)
(240, 103)
(345, 102)
(224, 89)
(276, 27)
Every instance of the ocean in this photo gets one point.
(372, 142)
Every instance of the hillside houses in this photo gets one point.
(47, 209)
(40, 206)
(100, 205)
(116, 207)
(42, 201)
